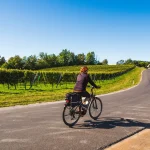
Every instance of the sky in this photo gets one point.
(113, 29)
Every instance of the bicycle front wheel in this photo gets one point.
(95, 108)
(70, 115)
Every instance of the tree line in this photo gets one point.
(138, 63)
(44, 60)
(64, 58)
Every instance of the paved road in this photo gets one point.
(41, 128)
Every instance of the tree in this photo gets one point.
(47, 61)
(72, 59)
(99, 63)
(30, 62)
(14, 63)
(143, 64)
(120, 62)
(2, 60)
(63, 57)
(43, 56)
(42, 62)
(52, 60)
(140, 63)
(128, 61)
(135, 62)
(90, 58)
(105, 62)
(80, 59)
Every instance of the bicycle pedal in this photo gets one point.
(83, 112)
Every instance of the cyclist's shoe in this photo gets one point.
(83, 112)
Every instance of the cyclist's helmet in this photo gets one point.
(84, 69)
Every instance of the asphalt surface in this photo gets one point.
(40, 127)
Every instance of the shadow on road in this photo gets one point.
(111, 122)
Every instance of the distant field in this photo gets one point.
(92, 68)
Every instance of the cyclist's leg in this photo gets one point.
(86, 95)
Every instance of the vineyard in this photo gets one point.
(54, 76)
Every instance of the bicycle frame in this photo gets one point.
(93, 103)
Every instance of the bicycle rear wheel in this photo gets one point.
(95, 108)
(71, 115)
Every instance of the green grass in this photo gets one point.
(45, 93)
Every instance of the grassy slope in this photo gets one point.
(22, 97)
(92, 68)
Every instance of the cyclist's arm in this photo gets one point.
(91, 82)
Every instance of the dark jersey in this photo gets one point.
(82, 81)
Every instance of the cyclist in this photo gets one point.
(81, 83)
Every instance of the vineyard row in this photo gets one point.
(14, 77)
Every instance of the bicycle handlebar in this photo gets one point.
(92, 89)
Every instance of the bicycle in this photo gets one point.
(75, 111)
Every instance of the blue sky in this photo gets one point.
(113, 29)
